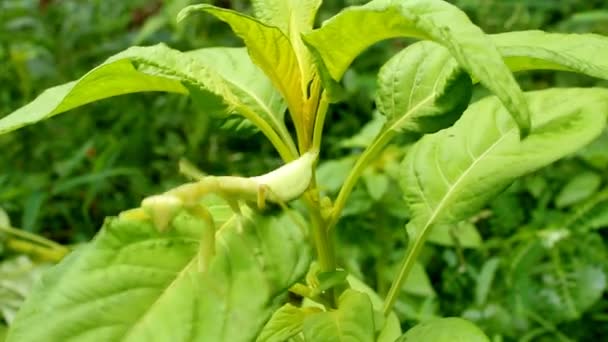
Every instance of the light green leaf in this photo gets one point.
(248, 84)
(367, 134)
(17, 275)
(578, 189)
(332, 173)
(5, 221)
(463, 234)
(293, 18)
(376, 183)
(534, 50)
(418, 282)
(485, 280)
(116, 76)
(451, 329)
(273, 52)
(352, 321)
(285, 323)
(226, 77)
(589, 283)
(450, 175)
(392, 327)
(429, 19)
(133, 283)
(422, 89)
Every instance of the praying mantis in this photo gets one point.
(280, 186)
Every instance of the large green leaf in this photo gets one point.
(293, 18)
(451, 174)
(532, 50)
(271, 49)
(538, 50)
(353, 320)
(227, 78)
(391, 328)
(133, 283)
(451, 329)
(422, 89)
(285, 323)
(254, 95)
(429, 19)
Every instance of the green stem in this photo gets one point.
(408, 262)
(34, 238)
(317, 133)
(325, 252)
(548, 326)
(366, 157)
(41, 252)
(282, 142)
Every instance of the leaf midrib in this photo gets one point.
(173, 283)
(455, 185)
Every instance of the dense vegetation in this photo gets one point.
(531, 266)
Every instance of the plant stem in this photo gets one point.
(325, 253)
(548, 326)
(317, 133)
(34, 238)
(406, 267)
(369, 154)
(323, 245)
(282, 142)
(44, 253)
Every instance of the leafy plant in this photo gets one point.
(207, 260)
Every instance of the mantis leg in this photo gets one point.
(206, 249)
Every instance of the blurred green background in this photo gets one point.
(530, 267)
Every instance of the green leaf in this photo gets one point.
(450, 175)
(434, 20)
(251, 90)
(367, 134)
(422, 89)
(285, 323)
(133, 283)
(418, 282)
(273, 52)
(293, 18)
(485, 280)
(578, 189)
(463, 234)
(226, 77)
(589, 283)
(116, 76)
(17, 275)
(352, 321)
(451, 329)
(332, 173)
(5, 221)
(376, 183)
(534, 50)
(392, 327)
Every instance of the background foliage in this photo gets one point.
(532, 266)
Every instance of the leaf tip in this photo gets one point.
(187, 11)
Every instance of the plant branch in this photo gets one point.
(22, 234)
(406, 267)
(366, 157)
(281, 141)
(317, 134)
